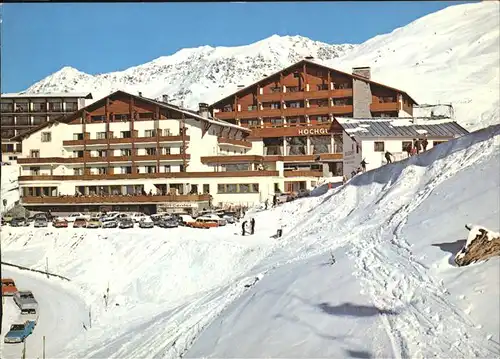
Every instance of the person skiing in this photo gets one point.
(388, 157)
(363, 165)
(424, 144)
(252, 225)
(243, 228)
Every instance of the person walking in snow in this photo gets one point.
(388, 157)
(243, 228)
(275, 200)
(363, 165)
(424, 144)
(252, 226)
(409, 149)
(416, 144)
(266, 203)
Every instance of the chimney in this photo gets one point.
(140, 94)
(165, 98)
(362, 71)
(203, 110)
(309, 57)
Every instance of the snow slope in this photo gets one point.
(391, 230)
(399, 227)
(450, 56)
(9, 186)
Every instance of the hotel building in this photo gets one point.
(22, 112)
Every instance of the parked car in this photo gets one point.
(26, 302)
(146, 223)
(7, 218)
(229, 218)
(19, 332)
(137, 217)
(126, 223)
(303, 193)
(156, 218)
(94, 222)
(204, 222)
(19, 222)
(110, 224)
(215, 217)
(169, 222)
(40, 222)
(40, 215)
(8, 287)
(113, 216)
(73, 216)
(79, 223)
(185, 219)
(60, 223)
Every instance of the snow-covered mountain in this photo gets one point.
(451, 56)
(196, 75)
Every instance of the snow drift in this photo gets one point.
(448, 57)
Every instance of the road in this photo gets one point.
(61, 315)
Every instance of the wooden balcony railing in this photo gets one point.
(104, 141)
(166, 175)
(384, 106)
(303, 173)
(69, 200)
(100, 159)
(234, 142)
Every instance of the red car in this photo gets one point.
(8, 287)
(80, 223)
(60, 223)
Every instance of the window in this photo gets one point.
(35, 154)
(71, 106)
(275, 105)
(320, 144)
(166, 132)
(167, 169)
(166, 150)
(122, 117)
(35, 171)
(12, 158)
(26, 121)
(146, 116)
(77, 171)
(101, 135)
(275, 89)
(206, 188)
(126, 152)
(297, 145)
(7, 107)
(77, 154)
(150, 169)
(253, 123)
(379, 146)
(322, 87)
(102, 170)
(151, 151)
(100, 118)
(252, 107)
(292, 89)
(78, 136)
(276, 122)
(322, 119)
(149, 133)
(46, 136)
(405, 145)
(236, 167)
(39, 107)
(126, 170)
(294, 105)
(238, 188)
(126, 134)
(102, 153)
(55, 106)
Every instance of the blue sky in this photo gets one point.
(39, 39)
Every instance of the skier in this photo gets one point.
(275, 200)
(388, 157)
(363, 165)
(243, 227)
(266, 203)
(252, 225)
(424, 144)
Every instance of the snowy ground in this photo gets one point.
(391, 293)
(9, 186)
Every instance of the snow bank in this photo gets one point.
(384, 228)
(9, 186)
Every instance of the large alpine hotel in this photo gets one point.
(284, 133)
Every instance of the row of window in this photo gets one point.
(116, 117)
(295, 104)
(379, 146)
(124, 134)
(238, 188)
(39, 107)
(35, 171)
(150, 151)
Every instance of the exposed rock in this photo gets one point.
(482, 244)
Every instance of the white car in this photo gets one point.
(73, 216)
(137, 217)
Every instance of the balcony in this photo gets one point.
(233, 142)
(225, 115)
(331, 156)
(100, 159)
(162, 176)
(269, 112)
(270, 97)
(117, 140)
(299, 173)
(384, 107)
(113, 199)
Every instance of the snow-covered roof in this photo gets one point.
(86, 95)
(401, 127)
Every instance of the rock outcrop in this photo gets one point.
(482, 244)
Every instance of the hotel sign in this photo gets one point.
(313, 131)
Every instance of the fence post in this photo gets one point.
(47, 266)
(24, 351)
(43, 353)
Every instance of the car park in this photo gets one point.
(8, 287)
(80, 223)
(19, 332)
(126, 223)
(40, 222)
(60, 223)
(110, 224)
(26, 301)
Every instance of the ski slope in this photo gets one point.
(391, 293)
